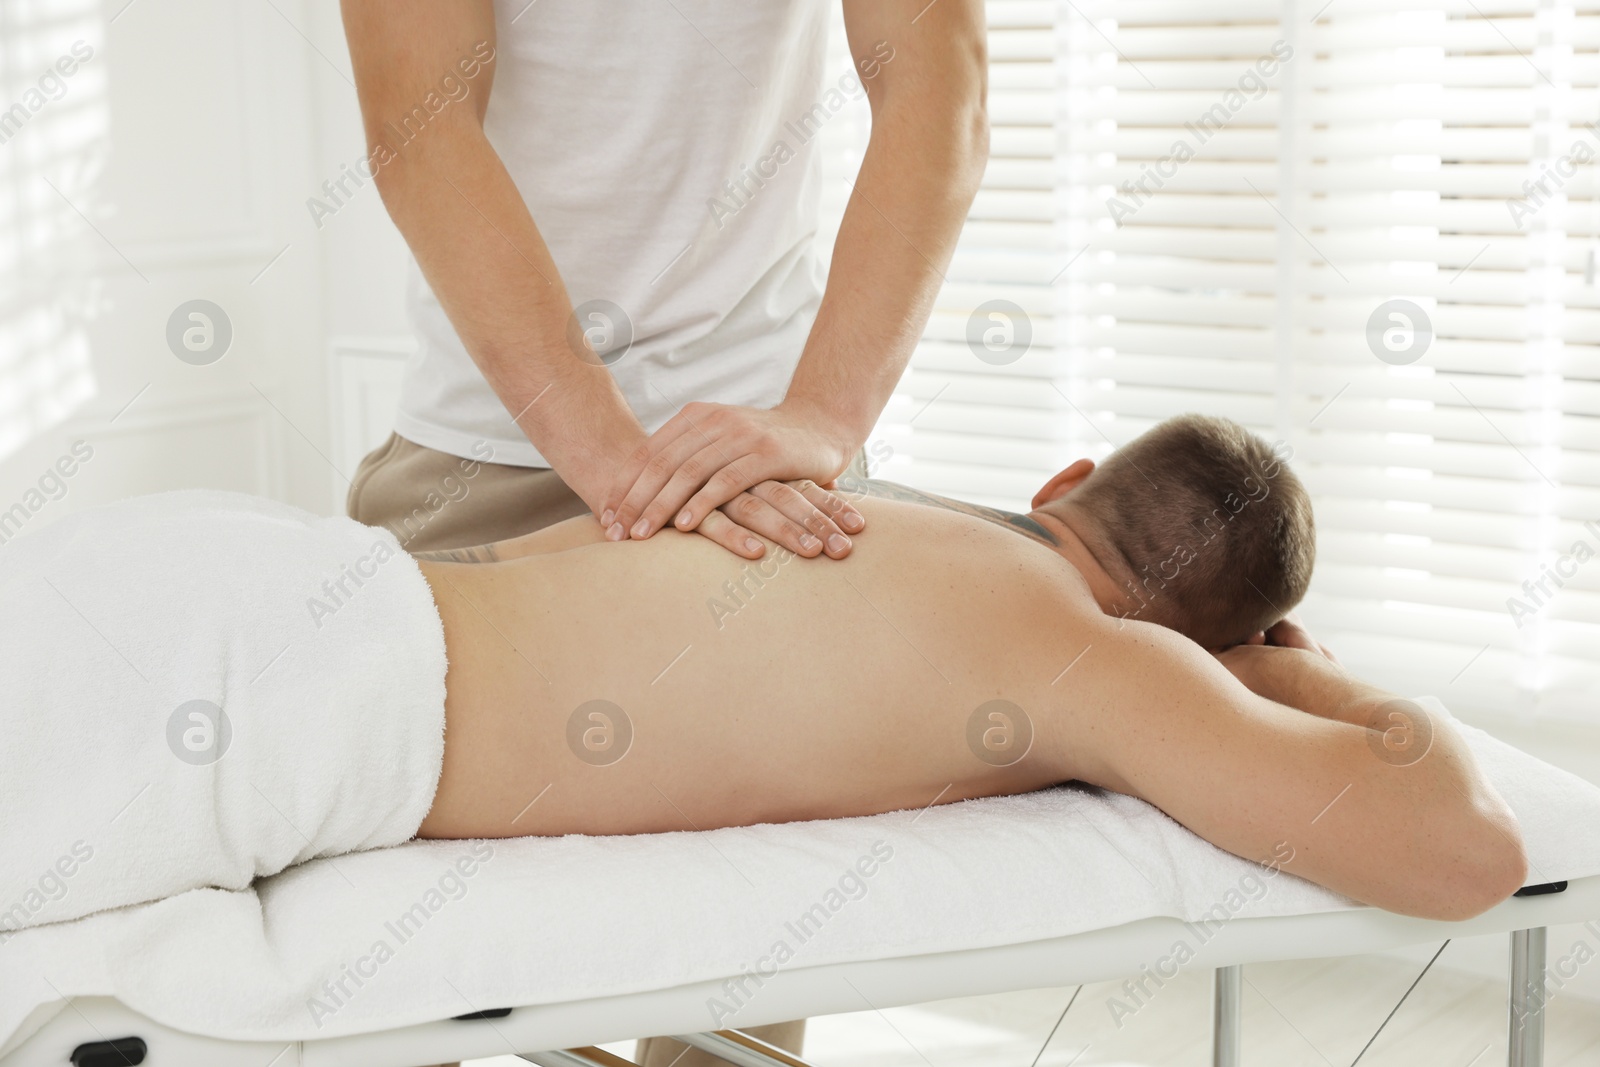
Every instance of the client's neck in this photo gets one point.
(1074, 535)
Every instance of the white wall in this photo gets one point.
(176, 165)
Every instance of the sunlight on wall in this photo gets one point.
(53, 137)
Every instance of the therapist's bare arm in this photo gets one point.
(1416, 831)
(924, 68)
(466, 223)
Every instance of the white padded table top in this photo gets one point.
(429, 930)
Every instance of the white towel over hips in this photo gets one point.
(200, 688)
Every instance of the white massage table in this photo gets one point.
(535, 1030)
(595, 940)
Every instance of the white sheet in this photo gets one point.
(206, 652)
(559, 920)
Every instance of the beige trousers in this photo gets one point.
(432, 500)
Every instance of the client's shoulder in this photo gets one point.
(987, 561)
(939, 512)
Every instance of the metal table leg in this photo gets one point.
(1227, 1014)
(741, 1049)
(1525, 1047)
(575, 1057)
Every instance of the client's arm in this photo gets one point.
(1403, 820)
(1317, 685)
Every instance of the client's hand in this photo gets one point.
(1290, 632)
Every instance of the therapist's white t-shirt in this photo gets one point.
(622, 123)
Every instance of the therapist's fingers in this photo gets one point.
(730, 535)
(737, 476)
(779, 513)
(734, 526)
(710, 464)
(789, 500)
(760, 516)
(696, 426)
(832, 504)
(687, 455)
(656, 457)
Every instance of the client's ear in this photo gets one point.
(1064, 483)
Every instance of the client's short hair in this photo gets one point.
(1205, 525)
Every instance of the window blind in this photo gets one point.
(50, 122)
(1451, 487)
(1363, 228)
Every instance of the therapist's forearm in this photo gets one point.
(918, 177)
(482, 254)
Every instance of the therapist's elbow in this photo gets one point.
(947, 137)
(966, 118)
(412, 175)
(938, 114)
(396, 174)
(974, 123)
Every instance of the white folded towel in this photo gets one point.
(200, 688)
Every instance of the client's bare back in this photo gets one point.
(624, 687)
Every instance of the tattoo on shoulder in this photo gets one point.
(1021, 524)
(476, 554)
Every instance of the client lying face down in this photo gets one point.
(1128, 633)
(1197, 525)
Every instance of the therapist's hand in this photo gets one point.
(786, 512)
(717, 456)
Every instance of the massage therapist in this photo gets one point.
(616, 295)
